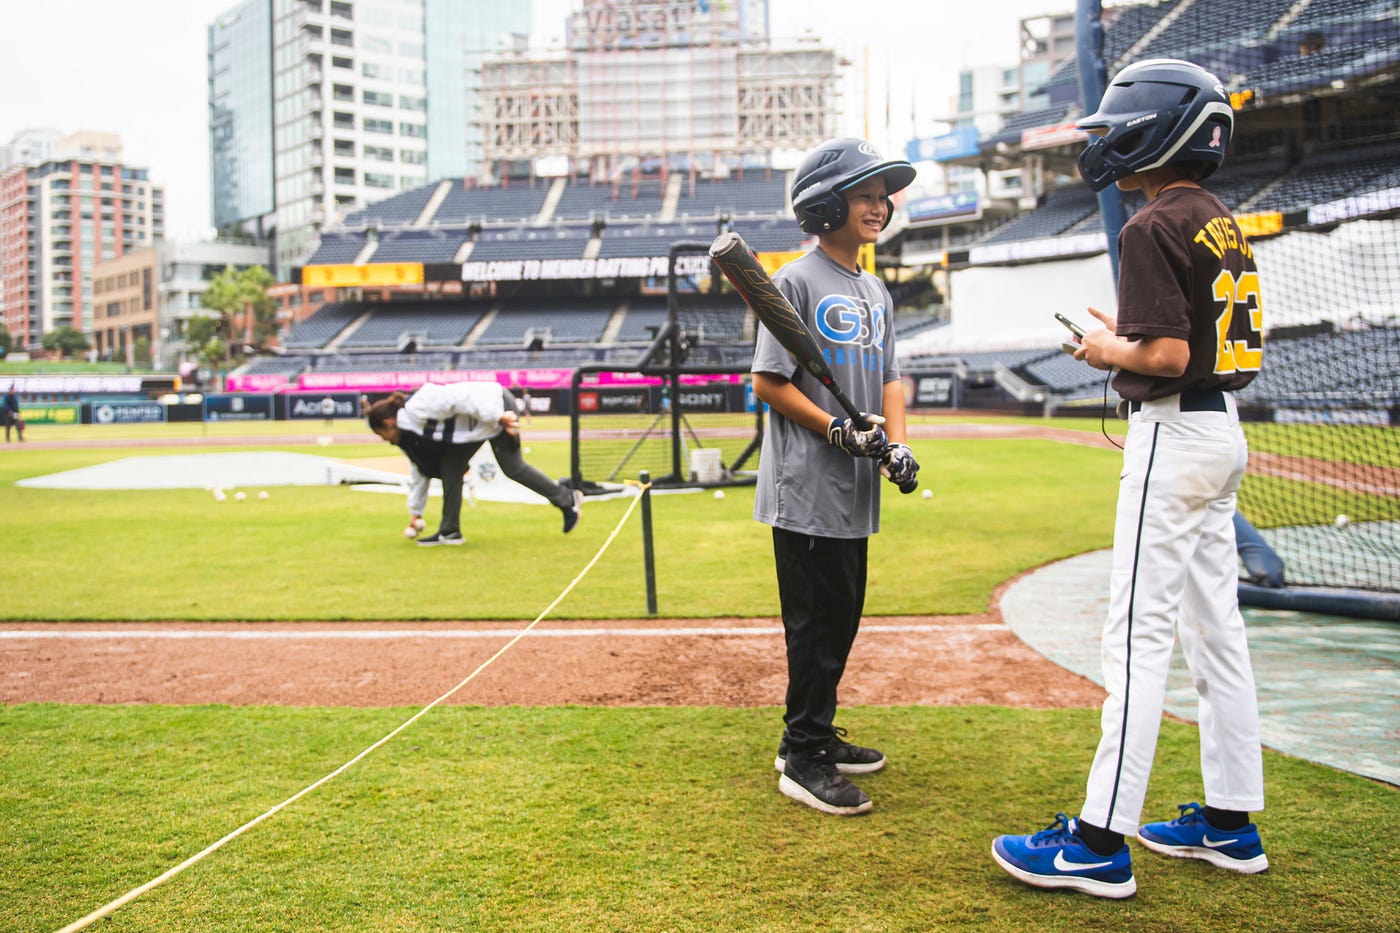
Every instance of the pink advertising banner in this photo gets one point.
(408, 381)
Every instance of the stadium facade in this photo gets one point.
(75, 206)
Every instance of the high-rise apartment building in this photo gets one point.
(59, 217)
(321, 106)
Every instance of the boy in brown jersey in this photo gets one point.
(1188, 333)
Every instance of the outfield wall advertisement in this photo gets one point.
(123, 412)
(542, 379)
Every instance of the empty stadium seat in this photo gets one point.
(337, 248)
(322, 326)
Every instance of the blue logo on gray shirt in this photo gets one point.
(847, 319)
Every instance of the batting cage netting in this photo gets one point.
(1313, 175)
(684, 412)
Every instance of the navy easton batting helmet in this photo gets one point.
(1156, 112)
(830, 169)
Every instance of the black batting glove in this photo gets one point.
(900, 467)
(859, 441)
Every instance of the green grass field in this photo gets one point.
(549, 819)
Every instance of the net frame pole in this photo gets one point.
(1093, 80)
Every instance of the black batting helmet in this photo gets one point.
(830, 169)
(1156, 112)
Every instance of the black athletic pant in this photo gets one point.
(456, 457)
(821, 585)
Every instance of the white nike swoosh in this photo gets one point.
(1064, 864)
(1216, 843)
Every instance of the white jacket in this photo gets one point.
(475, 409)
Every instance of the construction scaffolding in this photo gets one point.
(659, 85)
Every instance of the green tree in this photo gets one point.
(242, 291)
(7, 341)
(66, 340)
(202, 339)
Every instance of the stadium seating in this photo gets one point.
(322, 326)
(1016, 123)
(1062, 208)
(397, 211)
(337, 248)
(756, 194)
(510, 203)
(432, 323)
(564, 321)
(416, 245)
(650, 239)
(1215, 30)
(1062, 374)
(908, 324)
(713, 318)
(642, 322)
(1306, 368)
(556, 242)
(771, 236)
(635, 199)
(1327, 176)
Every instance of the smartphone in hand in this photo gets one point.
(1073, 327)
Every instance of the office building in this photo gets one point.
(78, 205)
(321, 106)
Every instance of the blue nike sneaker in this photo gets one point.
(1190, 836)
(1056, 857)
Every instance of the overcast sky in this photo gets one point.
(138, 69)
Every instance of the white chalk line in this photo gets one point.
(398, 634)
(134, 893)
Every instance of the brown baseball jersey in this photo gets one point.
(1186, 271)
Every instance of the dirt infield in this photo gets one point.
(941, 660)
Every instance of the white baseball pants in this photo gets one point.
(1175, 575)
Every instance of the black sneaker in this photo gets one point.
(813, 779)
(849, 759)
(453, 538)
(573, 512)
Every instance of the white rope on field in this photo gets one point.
(134, 893)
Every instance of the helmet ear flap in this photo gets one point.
(823, 214)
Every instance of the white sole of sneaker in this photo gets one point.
(796, 791)
(1250, 866)
(1069, 882)
(780, 765)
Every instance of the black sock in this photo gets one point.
(1099, 840)
(1226, 820)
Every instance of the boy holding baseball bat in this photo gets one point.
(819, 472)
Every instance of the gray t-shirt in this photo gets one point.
(804, 483)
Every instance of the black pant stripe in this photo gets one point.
(1128, 652)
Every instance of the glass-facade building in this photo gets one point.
(353, 101)
(240, 116)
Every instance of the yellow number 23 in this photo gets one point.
(1238, 355)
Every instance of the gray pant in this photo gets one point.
(507, 450)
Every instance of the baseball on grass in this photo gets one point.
(719, 493)
(262, 494)
(1342, 521)
(410, 532)
(240, 495)
(928, 493)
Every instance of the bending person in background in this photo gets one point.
(440, 428)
